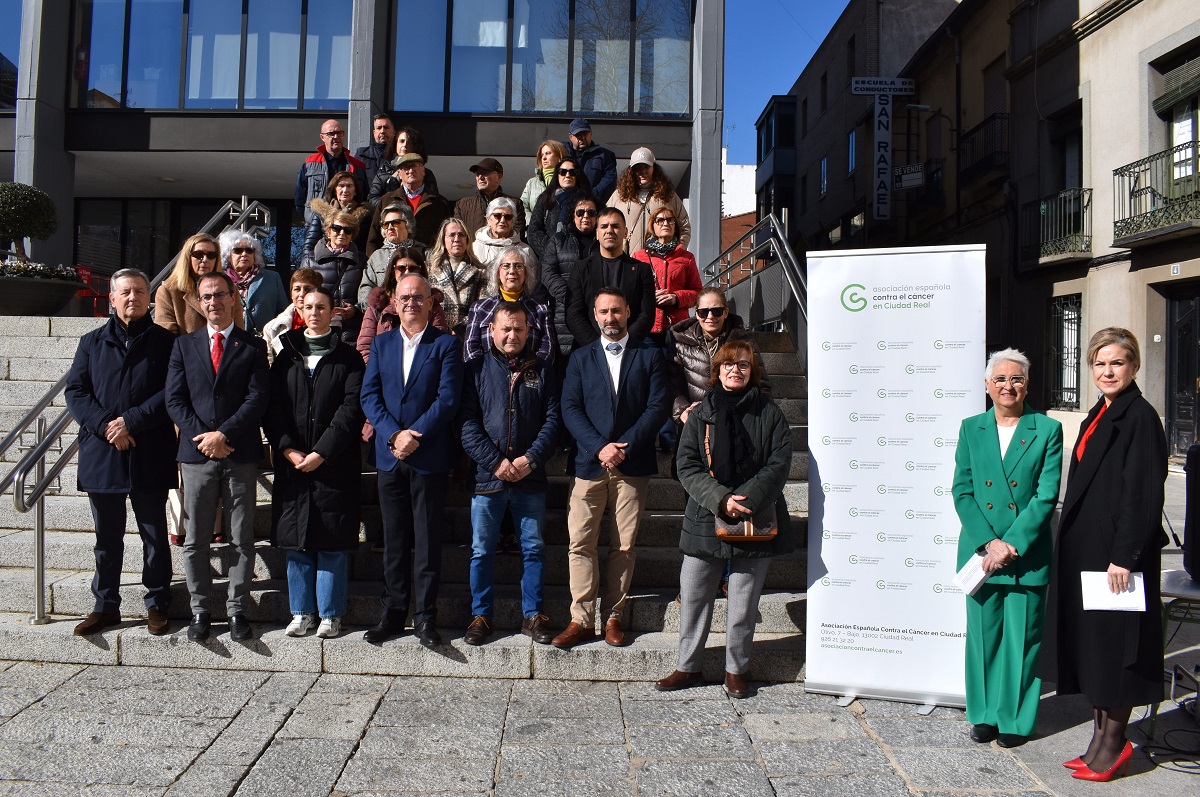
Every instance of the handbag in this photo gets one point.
(762, 527)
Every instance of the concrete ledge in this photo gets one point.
(55, 641)
(501, 657)
(73, 326)
(270, 650)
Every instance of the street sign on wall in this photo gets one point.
(883, 85)
(884, 89)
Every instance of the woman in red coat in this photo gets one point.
(676, 275)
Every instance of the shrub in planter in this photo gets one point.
(25, 212)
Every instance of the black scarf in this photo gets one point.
(731, 449)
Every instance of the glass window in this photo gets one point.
(155, 30)
(103, 24)
(479, 56)
(147, 223)
(98, 234)
(10, 52)
(824, 175)
(419, 80)
(601, 57)
(850, 153)
(327, 55)
(663, 56)
(214, 54)
(273, 54)
(540, 39)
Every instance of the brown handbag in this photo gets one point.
(762, 527)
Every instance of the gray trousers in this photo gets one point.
(698, 583)
(204, 484)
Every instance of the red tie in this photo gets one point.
(217, 350)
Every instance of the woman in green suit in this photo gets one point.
(1007, 469)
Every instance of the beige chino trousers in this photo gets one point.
(624, 497)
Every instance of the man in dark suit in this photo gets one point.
(410, 395)
(614, 400)
(610, 266)
(126, 447)
(217, 392)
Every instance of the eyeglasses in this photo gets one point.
(512, 266)
(412, 298)
(1015, 381)
(394, 223)
(456, 235)
(219, 295)
(502, 216)
(584, 213)
(203, 255)
(338, 229)
(705, 312)
(243, 250)
(567, 172)
(741, 365)
(665, 220)
(333, 134)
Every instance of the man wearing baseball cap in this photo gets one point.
(472, 207)
(598, 164)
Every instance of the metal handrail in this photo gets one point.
(252, 217)
(775, 243)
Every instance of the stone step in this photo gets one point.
(789, 386)
(46, 348)
(649, 656)
(782, 363)
(26, 394)
(780, 342)
(34, 369)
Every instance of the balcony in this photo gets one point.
(1157, 198)
(984, 148)
(1057, 228)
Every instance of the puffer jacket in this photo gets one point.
(341, 274)
(487, 250)
(314, 228)
(691, 364)
(529, 196)
(564, 250)
(678, 273)
(549, 216)
(504, 418)
(771, 438)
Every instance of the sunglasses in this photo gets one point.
(705, 312)
(502, 216)
(586, 214)
(338, 229)
(567, 172)
(395, 223)
(407, 268)
(205, 255)
(243, 250)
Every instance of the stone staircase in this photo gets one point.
(35, 352)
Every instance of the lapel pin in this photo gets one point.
(1022, 442)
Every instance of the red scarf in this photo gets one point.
(1087, 434)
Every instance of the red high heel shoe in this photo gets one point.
(1075, 763)
(1120, 766)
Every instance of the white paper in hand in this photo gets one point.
(1098, 597)
(972, 575)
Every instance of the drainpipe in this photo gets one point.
(957, 126)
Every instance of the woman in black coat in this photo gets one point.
(1112, 523)
(550, 211)
(566, 248)
(313, 425)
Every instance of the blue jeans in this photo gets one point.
(529, 517)
(317, 581)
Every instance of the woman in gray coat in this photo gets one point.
(733, 461)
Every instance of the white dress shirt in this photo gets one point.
(224, 336)
(410, 349)
(614, 360)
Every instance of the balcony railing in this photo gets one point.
(984, 147)
(1157, 196)
(1057, 226)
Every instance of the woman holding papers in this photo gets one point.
(1007, 468)
(1111, 524)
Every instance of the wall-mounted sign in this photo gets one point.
(884, 88)
(911, 176)
(883, 85)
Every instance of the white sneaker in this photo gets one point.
(330, 627)
(300, 624)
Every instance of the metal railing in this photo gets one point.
(252, 217)
(984, 147)
(1058, 224)
(1157, 192)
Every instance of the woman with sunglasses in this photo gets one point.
(550, 210)
(694, 342)
(576, 242)
(341, 266)
(397, 225)
(383, 311)
(549, 155)
(175, 304)
(341, 194)
(260, 289)
(676, 275)
(499, 234)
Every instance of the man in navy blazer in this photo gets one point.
(410, 395)
(126, 447)
(217, 392)
(614, 401)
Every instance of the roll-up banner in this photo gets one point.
(896, 355)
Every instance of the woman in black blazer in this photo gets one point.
(1111, 522)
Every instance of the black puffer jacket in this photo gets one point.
(341, 274)
(691, 364)
(564, 249)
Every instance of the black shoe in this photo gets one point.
(239, 628)
(428, 635)
(983, 733)
(198, 630)
(385, 630)
(1010, 740)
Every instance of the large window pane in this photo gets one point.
(478, 59)
(540, 41)
(105, 22)
(155, 27)
(147, 224)
(327, 55)
(601, 56)
(273, 54)
(663, 57)
(10, 52)
(419, 79)
(214, 54)
(98, 234)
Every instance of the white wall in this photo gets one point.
(737, 186)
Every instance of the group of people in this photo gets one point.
(466, 342)
(1029, 620)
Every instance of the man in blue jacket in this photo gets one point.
(598, 163)
(115, 392)
(510, 424)
(614, 401)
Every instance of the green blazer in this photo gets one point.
(1012, 500)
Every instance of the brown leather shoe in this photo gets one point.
(157, 622)
(679, 680)
(613, 634)
(538, 627)
(97, 621)
(735, 686)
(572, 635)
(478, 631)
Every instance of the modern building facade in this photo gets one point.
(142, 117)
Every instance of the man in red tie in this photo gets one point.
(217, 391)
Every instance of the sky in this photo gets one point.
(767, 45)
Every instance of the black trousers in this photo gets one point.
(411, 505)
(150, 512)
